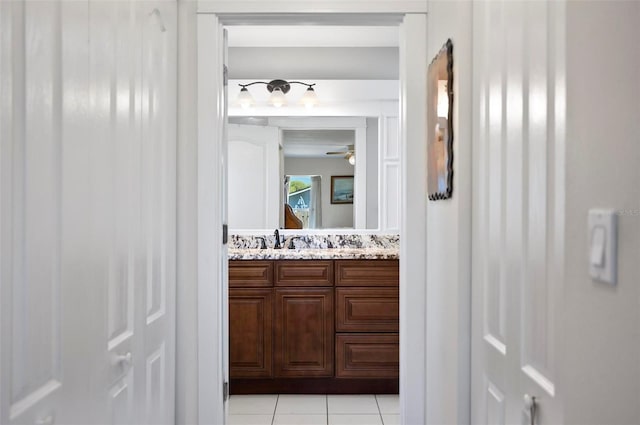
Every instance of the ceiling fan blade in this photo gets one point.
(337, 153)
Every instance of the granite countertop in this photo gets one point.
(314, 254)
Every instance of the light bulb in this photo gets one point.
(351, 158)
(245, 100)
(277, 98)
(309, 98)
(443, 99)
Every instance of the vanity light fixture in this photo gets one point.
(278, 89)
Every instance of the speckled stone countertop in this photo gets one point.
(314, 254)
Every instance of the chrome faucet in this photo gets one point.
(277, 244)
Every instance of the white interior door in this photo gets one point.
(133, 165)
(87, 212)
(254, 187)
(155, 316)
(518, 227)
(35, 379)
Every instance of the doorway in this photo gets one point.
(211, 216)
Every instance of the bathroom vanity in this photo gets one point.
(313, 325)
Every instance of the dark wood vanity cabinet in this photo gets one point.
(313, 326)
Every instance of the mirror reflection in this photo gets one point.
(281, 170)
(440, 124)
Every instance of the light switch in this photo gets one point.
(597, 246)
(603, 240)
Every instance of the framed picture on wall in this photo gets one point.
(342, 189)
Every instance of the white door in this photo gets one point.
(36, 299)
(139, 165)
(518, 230)
(87, 212)
(254, 177)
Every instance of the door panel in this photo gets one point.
(156, 318)
(31, 291)
(74, 294)
(518, 222)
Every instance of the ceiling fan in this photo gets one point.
(349, 154)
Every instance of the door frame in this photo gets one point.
(211, 254)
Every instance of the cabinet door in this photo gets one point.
(250, 333)
(304, 332)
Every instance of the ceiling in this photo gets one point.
(312, 36)
(313, 52)
(316, 143)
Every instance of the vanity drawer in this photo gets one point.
(243, 273)
(367, 310)
(367, 356)
(367, 273)
(304, 273)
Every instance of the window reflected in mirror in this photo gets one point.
(304, 197)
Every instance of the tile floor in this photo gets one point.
(287, 409)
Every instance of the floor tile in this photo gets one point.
(252, 404)
(352, 404)
(391, 419)
(389, 403)
(300, 419)
(355, 420)
(301, 404)
(250, 419)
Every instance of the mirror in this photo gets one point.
(279, 161)
(440, 124)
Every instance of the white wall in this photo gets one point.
(448, 234)
(601, 364)
(333, 215)
(305, 63)
(372, 173)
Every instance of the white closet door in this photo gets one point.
(156, 253)
(87, 212)
(518, 227)
(41, 316)
(132, 86)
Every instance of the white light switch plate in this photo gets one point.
(603, 242)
